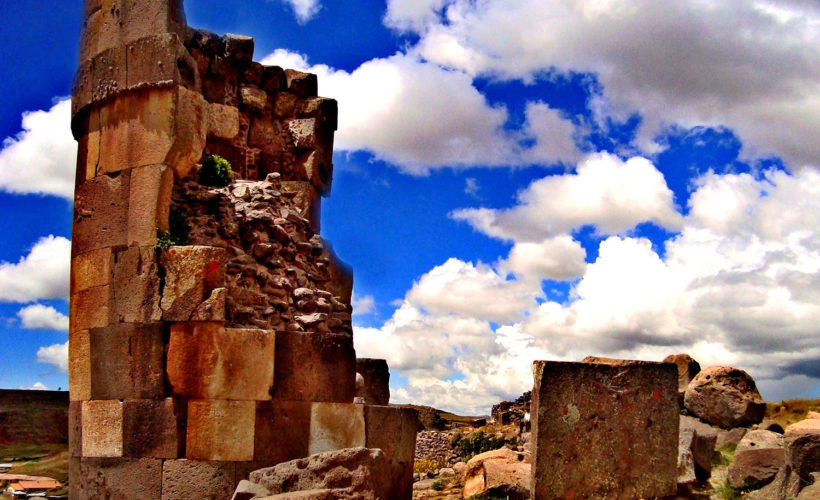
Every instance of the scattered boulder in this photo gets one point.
(758, 458)
(359, 473)
(802, 441)
(696, 445)
(726, 397)
(730, 437)
(687, 369)
(501, 472)
(759, 439)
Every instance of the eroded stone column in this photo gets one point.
(210, 326)
(604, 430)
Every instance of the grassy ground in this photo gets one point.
(791, 411)
(49, 460)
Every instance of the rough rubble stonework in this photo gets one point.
(231, 350)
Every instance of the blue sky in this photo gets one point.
(514, 180)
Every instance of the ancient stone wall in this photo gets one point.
(210, 326)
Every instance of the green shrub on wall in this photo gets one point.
(215, 171)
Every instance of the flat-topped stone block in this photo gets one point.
(220, 430)
(314, 367)
(375, 383)
(208, 361)
(604, 430)
(282, 431)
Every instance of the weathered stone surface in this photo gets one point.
(209, 361)
(191, 274)
(151, 428)
(75, 428)
(698, 440)
(687, 369)
(102, 428)
(189, 479)
(112, 23)
(246, 490)
(127, 362)
(393, 430)
(91, 269)
(238, 48)
(730, 437)
(307, 200)
(760, 439)
(755, 468)
(726, 397)
(101, 213)
(802, 441)
(628, 414)
(499, 473)
(135, 286)
(282, 431)
(314, 367)
(254, 98)
(220, 430)
(79, 365)
(355, 473)
(212, 308)
(149, 202)
(302, 132)
(302, 84)
(223, 121)
(375, 374)
(334, 426)
(117, 478)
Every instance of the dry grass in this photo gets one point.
(791, 411)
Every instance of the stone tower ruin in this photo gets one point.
(210, 326)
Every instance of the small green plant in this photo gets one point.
(425, 465)
(727, 492)
(215, 171)
(177, 233)
(437, 485)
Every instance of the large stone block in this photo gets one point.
(101, 213)
(393, 430)
(112, 23)
(149, 203)
(604, 431)
(155, 126)
(334, 426)
(75, 428)
(90, 308)
(220, 430)
(189, 479)
(223, 121)
(116, 478)
(91, 269)
(208, 361)
(282, 432)
(102, 428)
(152, 428)
(135, 282)
(127, 362)
(375, 383)
(79, 365)
(191, 274)
(314, 367)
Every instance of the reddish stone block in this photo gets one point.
(127, 362)
(116, 478)
(375, 385)
(90, 308)
(208, 361)
(223, 121)
(79, 365)
(282, 432)
(160, 60)
(314, 367)
(393, 429)
(220, 430)
(302, 84)
(149, 203)
(91, 269)
(100, 213)
(152, 429)
(334, 426)
(102, 428)
(604, 431)
(189, 479)
(191, 274)
(75, 429)
(135, 283)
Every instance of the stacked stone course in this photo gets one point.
(191, 366)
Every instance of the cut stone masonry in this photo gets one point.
(192, 365)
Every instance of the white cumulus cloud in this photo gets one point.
(41, 159)
(41, 317)
(55, 355)
(304, 10)
(605, 192)
(42, 274)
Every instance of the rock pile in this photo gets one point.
(512, 412)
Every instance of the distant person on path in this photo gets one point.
(524, 423)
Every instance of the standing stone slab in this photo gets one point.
(375, 389)
(393, 430)
(604, 431)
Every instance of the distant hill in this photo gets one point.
(28, 417)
